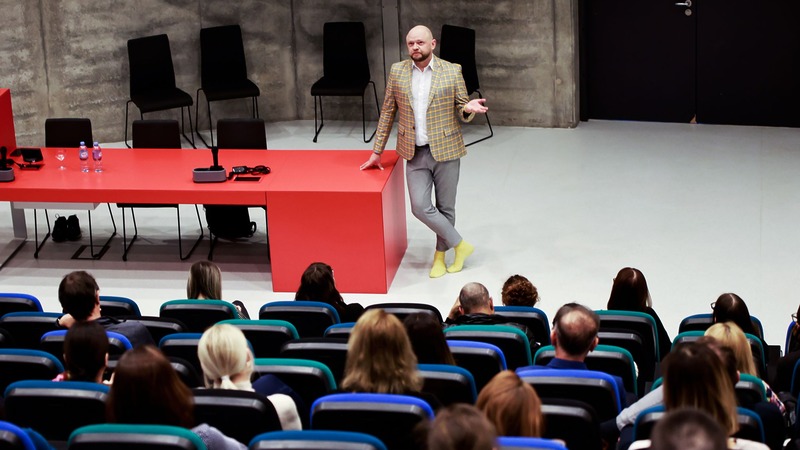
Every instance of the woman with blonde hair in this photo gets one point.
(205, 282)
(512, 406)
(380, 358)
(227, 363)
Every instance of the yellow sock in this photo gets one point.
(438, 269)
(463, 250)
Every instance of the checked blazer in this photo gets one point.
(446, 103)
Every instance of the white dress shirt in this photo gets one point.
(420, 93)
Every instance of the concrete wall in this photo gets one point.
(69, 57)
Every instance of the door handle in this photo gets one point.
(687, 3)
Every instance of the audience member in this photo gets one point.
(205, 282)
(380, 358)
(630, 293)
(685, 429)
(427, 339)
(227, 363)
(785, 369)
(519, 291)
(85, 353)
(731, 308)
(317, 284)
(512, 406)
(146, 390)
(79, 296)
(460, 427)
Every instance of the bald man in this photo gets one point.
(431, 99)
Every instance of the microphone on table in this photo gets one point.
(6, 173)
(215, 155)
(213, 174)
(3, 162)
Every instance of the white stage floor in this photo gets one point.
(700, 209)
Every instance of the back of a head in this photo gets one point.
(629, 291)
(205, 281)
(379, 356)
(224, 354)
(576, 328)
(519, 291)
(688, 429)
(475, 298)
(731, 308)
(461, 427)
(728, 334)
(317, 284)
(77, 294)
(147, 390)
(85, 351)
(512, 406)
(427, 339)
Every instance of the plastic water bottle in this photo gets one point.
(97, 156)
(84, 156)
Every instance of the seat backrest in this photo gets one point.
(598, 389)
(156, 134)
(308, 378)
(511, 340)
(759, 354)
(54, 408)
(573, 422)
(150, 61)
(450, 384)
(116, 306)
(316, 440)
(27, 328)
(159, 326)
(750, 390)
(790, 343)
(13, 437)
(457, 45)
(632, 342)
(310, 318)
(246, 133)
(26, 364)
(198, 315)
(184, 346)
(389, 417)
(134, 437)
(750, 425)
(222, 55)
(340, 330)
(403, 310)
(640, 323)
(240, 415)
(330, 351)
(53, 343)
(266, 336)
(528, 443)
(533, 318)
(646, 420)
(608, 359)
(15, 302)
(344, 51)
(481, 359)
(702, 322)
(67, 132)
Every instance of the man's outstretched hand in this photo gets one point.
(373, 161)
(476, 106)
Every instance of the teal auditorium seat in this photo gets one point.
(134, 437)
(266, 336)
(310, 318)
(198, 315)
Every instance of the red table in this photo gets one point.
(320, 206)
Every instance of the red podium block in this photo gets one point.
(8, 138)
(325, 209)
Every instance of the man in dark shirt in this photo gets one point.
(79, 296)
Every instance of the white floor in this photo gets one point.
(700, 209)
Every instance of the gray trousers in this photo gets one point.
(425, 174)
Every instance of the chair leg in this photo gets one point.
(213, 238)
(126, 123)
(36, 232)
(255, 108)
(197, 115)
(183, 126)
(106, 244)
(321, 117)
(180, 240)
(125, 246)
(364, 115)
(491, 131)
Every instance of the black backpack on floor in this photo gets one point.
(229, 221)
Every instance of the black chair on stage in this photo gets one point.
(152, 81)
(345, 70)
(457, 45)
(223, 71)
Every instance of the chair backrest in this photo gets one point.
(308, 378)
(481, 359)
(15, 302)
(134, 437)
(247, 134)
(13, 437)
(759, 355)
(533, 318)
(750, 425)
(457, 45)
(573, 422)
(266, 336)
(344, 51)
(330, 351)
(159, 326)
(198, 315)
(156, 134)
(222, 55)
(55, 408)
(790, 342)
(702, 322)
(27, 328)
(608, 359)
(511, 340)
(26, 364)
(310, 318)
(183, 346)
(67, 132)
(116, 306)
(150, 60)
(528, 443)
(450, 384)
(640, 323)
(339, 330)
(632, 342)
(403, 310)
(750, 390)
(598, 389)
(389, 417)
(53, 342)
(316, 440)
(646, 420)
(240, 415)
